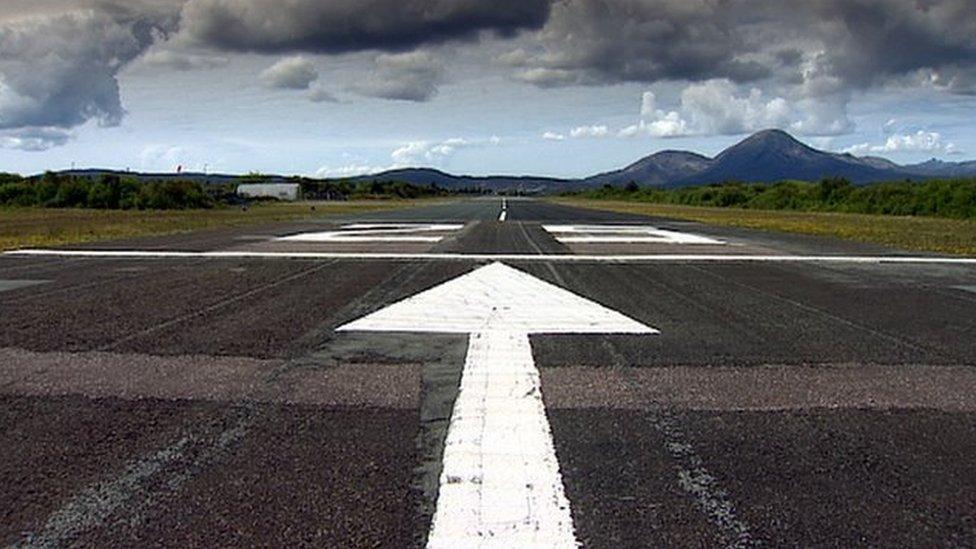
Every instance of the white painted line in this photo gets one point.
(388, 227)
(500, 485)
(551, 258)
(376, 232)
(503, 216)
(630, 234)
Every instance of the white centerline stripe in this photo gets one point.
(556, 258)
(503, 216)
(500, 486)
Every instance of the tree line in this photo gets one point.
(111, 191)
(952, 198)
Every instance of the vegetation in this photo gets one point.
(955, 236)
(112, 192)
(937, 198)
(35, 227)
(108, 192)
(342, 189)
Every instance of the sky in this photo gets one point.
(564, 88)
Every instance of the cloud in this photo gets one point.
(427, 152)
(822, 46)
(719, 107)
(715, 108)
(814, 54)
(656, 122)
(590, 131)
(290, 73)
(59, 64)
(34, 139)
(920, 141)
(340, 26)
(601, 41)
(182, 61)
(349, 170)
(410, 76)
(318, 94)
(60, 70)
(553, 136)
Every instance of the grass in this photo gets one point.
(930, 234)
(47, 227)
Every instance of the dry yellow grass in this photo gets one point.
(36, 227)
(929, 234)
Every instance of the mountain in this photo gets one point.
(774, 155)
(657, 169)
(426, 176)
(767, 156)
(938, 168)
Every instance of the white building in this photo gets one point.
(281, 191)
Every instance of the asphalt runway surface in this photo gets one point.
(206, 400)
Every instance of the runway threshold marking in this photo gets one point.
(378, 232)
(552, 258)
(500, 485)
(626, 234)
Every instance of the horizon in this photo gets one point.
(536, 88)
(487, 175)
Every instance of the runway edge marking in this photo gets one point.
(556, 258)
(500, 484)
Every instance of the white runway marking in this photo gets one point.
(503, 216)
(9, 285)
(500, 485)
(549, 258)
(626, 234)
(377, 232)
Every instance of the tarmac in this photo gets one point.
(193, 389)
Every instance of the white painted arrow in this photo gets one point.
(500, 485)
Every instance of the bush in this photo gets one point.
(108, 192)
(954, 198)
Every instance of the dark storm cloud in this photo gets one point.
(860, 42)
(869, 41)
(58, 68)
(338, 26)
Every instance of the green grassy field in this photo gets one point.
(45, 227)
(929, 234)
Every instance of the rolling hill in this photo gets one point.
(764, 157)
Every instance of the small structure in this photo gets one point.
(280, 191)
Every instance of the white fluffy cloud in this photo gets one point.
(920, 141)
(349, 170)
(715, 108)
(656, 122)
(718, 107)
(291, 73)
(553, 136)
(590, 131)
(417, 153)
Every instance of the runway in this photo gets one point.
(197, 389)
